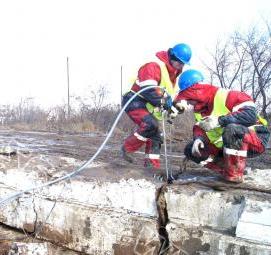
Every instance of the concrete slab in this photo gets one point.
(132, 195)
(196, 206)
(255, 222)
(259, 178)
(196, 240)
(93, 217)
(82, 228)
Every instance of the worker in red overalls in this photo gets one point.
(227, 128)
(146, 109)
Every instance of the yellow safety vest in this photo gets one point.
(166, 84)
(219, 109)
(262, 120)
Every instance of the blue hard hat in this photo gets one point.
(182, 52)
(189, 78)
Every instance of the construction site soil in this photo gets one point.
(32, 148)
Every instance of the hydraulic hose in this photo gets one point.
(78, 170)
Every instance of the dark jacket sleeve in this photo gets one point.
(153, 95)
(245, 116)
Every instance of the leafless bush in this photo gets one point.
(25, 112)
(26, 116)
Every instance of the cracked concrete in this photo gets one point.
(87, 227)
(14, 242)
(115, 208)
(189, 218)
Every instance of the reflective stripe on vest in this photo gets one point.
(219, 109)
(165, 83)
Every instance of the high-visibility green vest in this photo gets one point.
(262, 120)
(166, 83)
(219, 109)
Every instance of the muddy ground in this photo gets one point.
(32, 148)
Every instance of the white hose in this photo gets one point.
(75, 172)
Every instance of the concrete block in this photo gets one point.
(189, 240)
(94, 218)
(203, 207)
(133, 195)
(255, 221)
(82, 228)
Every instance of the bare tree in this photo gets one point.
(98, 98)
(229, 65)
(258, 47)
(244, 62)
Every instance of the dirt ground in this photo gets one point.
(32, 148)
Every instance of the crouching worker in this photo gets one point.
(145, 110)
(227, 128)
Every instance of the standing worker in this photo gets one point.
(227, 128)
(146, 109)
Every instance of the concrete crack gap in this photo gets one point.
(162, 220)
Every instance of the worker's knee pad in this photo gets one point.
(233, 136)
(150, 126)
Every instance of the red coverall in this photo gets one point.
(239, 141)
(148, 128)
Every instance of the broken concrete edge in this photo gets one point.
(33, 247)
(196, 240)
(162, 219)
(255, 221)
(132, 195)
(82, 228)
(14, 240)
(241, 214)
(36, 247)
(204, 206)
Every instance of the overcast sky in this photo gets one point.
(100, 36)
